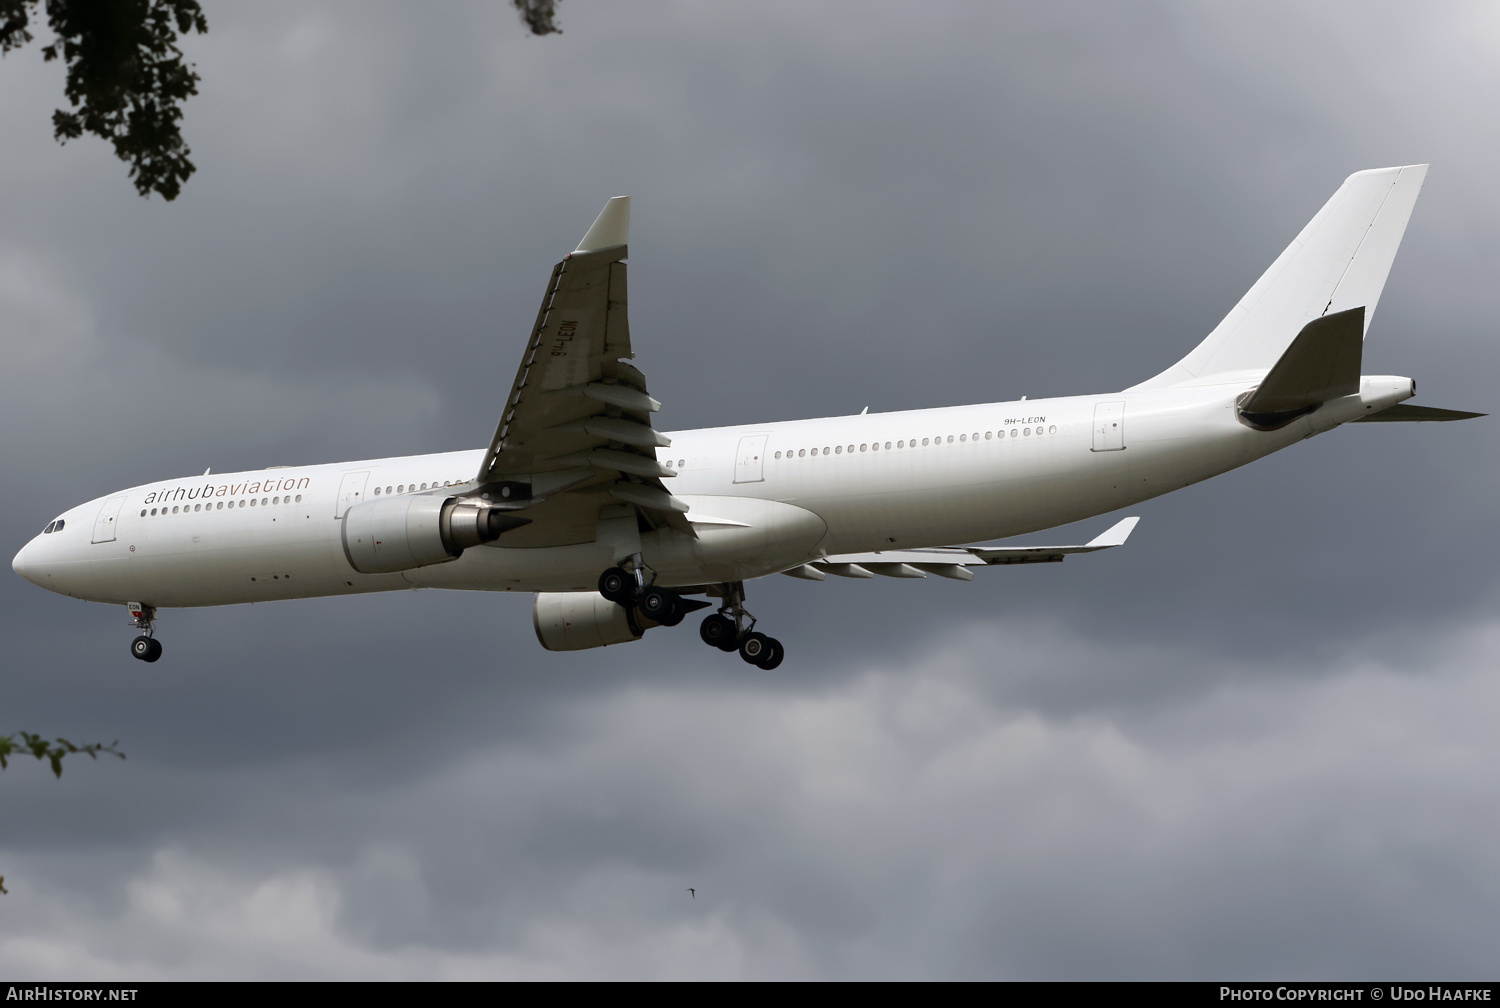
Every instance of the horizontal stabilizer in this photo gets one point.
(1402, 413)
(950, 561)
(1321, 364)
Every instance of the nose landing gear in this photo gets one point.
(143, 617)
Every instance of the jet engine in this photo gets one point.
(572, 621)
(391, 534)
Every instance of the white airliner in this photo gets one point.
(571, 498)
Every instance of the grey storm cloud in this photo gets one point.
(1255, 742)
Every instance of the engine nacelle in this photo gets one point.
(572, 621)
(392, 534)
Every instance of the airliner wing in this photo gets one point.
(954, 561)
(576, 432)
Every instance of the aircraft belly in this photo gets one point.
(505, 568)
(203, 563)
(749, 538)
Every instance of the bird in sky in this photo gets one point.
(694, 893)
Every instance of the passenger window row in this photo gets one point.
(413, 488)
(220, 505)
(1015, 432)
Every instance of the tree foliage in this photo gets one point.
(126, 77)
(25, 743)
(539, 15)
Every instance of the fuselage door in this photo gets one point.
(1109, 426)
(351, 491)
(749, 459)
(109, 517)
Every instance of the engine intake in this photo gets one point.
(394, 534)
(573, 621)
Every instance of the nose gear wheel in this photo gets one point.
(145, 647)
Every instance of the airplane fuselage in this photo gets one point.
(762, 498)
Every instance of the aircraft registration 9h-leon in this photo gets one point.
(571, 499)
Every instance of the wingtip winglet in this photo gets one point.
(611, 227)
(1116, 534)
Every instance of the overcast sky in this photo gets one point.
(1258, 741)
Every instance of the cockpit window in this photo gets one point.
(55, 525)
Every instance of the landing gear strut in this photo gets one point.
(143, 617)
(628, 587)
(732, 628)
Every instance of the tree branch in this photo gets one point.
(53, 752)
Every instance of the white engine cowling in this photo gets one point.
(392, 534)
(572, 621)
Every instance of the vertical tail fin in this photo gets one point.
(1339, 261)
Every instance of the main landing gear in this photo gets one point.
(660, 605)
(143, 617)
(732, 628)
(626, 587)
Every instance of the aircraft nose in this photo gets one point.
(26, 564)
